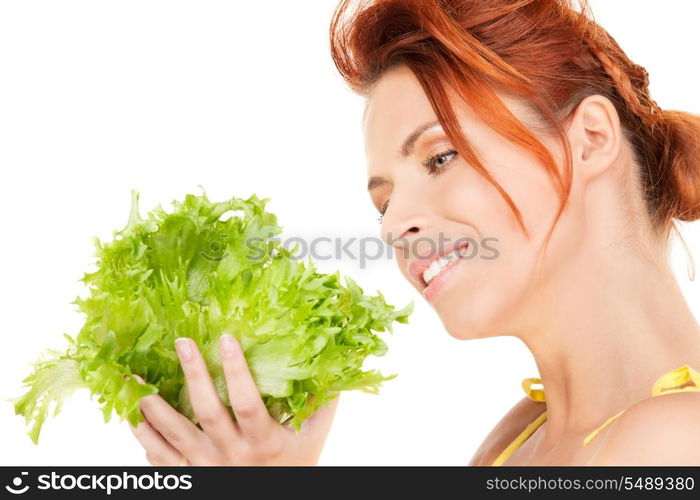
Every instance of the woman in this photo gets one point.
(525, 123)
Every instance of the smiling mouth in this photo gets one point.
(441, 263)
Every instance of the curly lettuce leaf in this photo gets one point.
(193, 273)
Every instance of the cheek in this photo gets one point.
(469, 198)
(531, 189)
(489, 292)
(535, 193)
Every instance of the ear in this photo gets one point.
(595, 135)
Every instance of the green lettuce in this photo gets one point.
(198, 272)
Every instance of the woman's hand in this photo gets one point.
(255, 438)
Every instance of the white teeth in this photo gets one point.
(438, 265)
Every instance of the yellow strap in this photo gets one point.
(534, 394)
(508, 451)
(668, 383)
(593, 434)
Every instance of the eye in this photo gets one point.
(383, 211)
(436, 163)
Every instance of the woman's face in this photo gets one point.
(431, 206)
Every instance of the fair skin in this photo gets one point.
(169, 438)
(602, 314)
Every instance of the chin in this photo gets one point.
(466, 315)
(464, 327)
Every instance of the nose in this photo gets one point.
(405, 220)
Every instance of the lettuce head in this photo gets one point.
(203, 269)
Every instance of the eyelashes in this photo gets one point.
(434, 165)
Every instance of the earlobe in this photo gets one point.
(595, 135)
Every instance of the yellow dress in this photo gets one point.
(681, 379)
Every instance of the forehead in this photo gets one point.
(397, 104)
(394, 106)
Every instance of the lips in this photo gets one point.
(419, 265)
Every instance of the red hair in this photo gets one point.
(545, 52)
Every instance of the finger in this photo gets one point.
(206, 403)
(251, 414)
(158, 450)
(319, 423)
(175, 428)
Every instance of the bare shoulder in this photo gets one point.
(661, 430)
(506, 429)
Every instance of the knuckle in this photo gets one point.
(247, 410)
(146, 402)
(196, 373)
(209, 417)
(236, 368)
(260, 451)
(149, 405)
(171, 435)
(262, 434)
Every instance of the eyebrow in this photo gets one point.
(406, 149)
(410, 141)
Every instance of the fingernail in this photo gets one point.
(135, 377)
(183, 347)
(228, 347)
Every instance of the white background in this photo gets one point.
(97, 98)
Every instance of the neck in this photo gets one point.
(607, 339)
